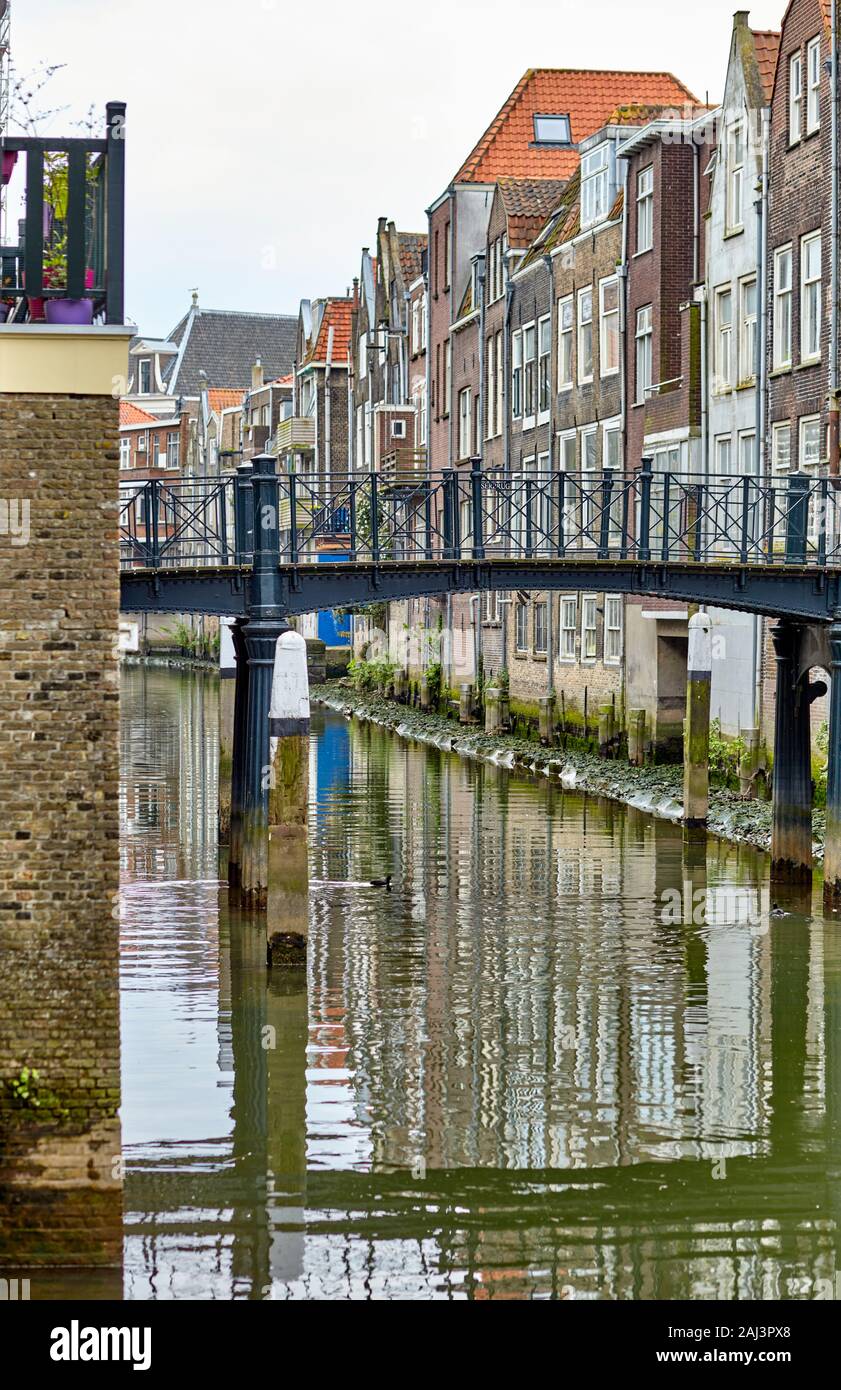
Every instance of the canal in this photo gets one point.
(564, 1057)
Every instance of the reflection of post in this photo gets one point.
(289, 726)
(791, 825)
(227, 690)
(696, 766)
(238, 757)
(832, 849)
(286, 1013)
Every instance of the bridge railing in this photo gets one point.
(467, 514)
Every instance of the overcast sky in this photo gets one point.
(265, 137)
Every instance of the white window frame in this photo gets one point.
(500, 381)
(144, 366)
(746, 437)
(125, 451)
(537, 605)
(465, 422)
(490, 390)
(170, 436)
(813, 85)
(723, 455)
(521, 646)
(807, 287)
(529, 376)
(613, 606)
(544, 367)
(723, 340)
(747, 332)
(568, 631)
(610, 428)
(803, 423)
(782, 307)
(517, 375)
(735, 159)
(795, 98)
(585, 325)
(566, 339)
(645, 209)
(780, 429)
(612, 327)
(589, 624)
(595, 184)
(643, 342)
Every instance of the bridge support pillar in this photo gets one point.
(832, 847)
(791, 822)
(288, 868)
(261, 636)
(696, 753)
(238, 746)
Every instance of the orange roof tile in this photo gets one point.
(527, 203)
(131, 415)
(283, 380)
(587, 97)
(220, 399)
(766, 44)
(337, 315)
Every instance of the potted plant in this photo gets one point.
(58, 310)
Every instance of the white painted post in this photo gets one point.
(696, 765)
(289, 728)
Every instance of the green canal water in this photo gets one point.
(565, 1057)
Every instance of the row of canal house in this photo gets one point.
(615, 272)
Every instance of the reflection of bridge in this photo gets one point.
(248, 546)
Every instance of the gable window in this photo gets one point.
(465, 417)
(747, 330)
(735, 174)
(723, 339)
(517, 375)
(541, 628)
(643, 339)
(595, 184)
(588, 627)
(551, 130)
(795, 98)
(609, 327)
(569, 622)
(645, 209)
(529, 344)
(810, 297)
(544, 345)
(612, 629)
(585, 335)
(565, 327)
(782, 307)
(813, 85)
(144, 377)
(521, 634)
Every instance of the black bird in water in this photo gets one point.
(777, 911)
(382, 883)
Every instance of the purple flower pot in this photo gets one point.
(77, 311)
(10, 159)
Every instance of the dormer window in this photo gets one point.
(595, 184)
(551, 130)
(144, 377)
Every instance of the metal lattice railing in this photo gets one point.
(653, 518)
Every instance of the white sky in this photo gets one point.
(265, 137)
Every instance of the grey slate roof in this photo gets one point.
(225, 344)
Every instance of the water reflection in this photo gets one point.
(521, 1072)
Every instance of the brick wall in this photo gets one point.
(60, 1198)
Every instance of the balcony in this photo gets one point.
(68, 263)
(403, 466)
(296, 434)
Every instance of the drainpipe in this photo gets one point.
(328, 414)
(834, 250)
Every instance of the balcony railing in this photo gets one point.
(72, 238)
(403, 466)
(295, 434)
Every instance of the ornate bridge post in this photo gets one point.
(832, 847)
(265, 623)
(791, 823)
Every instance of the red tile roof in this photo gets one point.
(587, 97)
(766, 44)
(527, 203)
(337, 315)
(411, 246)
(284, 381)
(131, 415)
(220, 399)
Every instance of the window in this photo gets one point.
(125, 451)
(810, 297)
(144, 377)
(809, 455)
(490, 378)
(517, 375)
(521, 634)
(541, 628)
(595, 184)
(551, 130)
(612, 444)
(612, 629)
(465, 416)
(643, 338)
(448, 376)
(544, 348)
(500, 392)
(723, 339)
(143, 442)
(645, 209)
(747, 330)
(529, 344)
(420, 407)
(795, 98)
(416, 331)
(589, 487)
(588, 627)
(172, 449)
(569, 620)
(609, 327)
(813, 85)
(585, 335)
(398, 429)
(447, 256)
(567, 451)
(781, 447)
(723, 459)
(735, 174)
(782, 307)
(565, 317)
(747, 454)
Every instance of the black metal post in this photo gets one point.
(115, 205)
(791, 822)
(604, 528)
(644, 539)
(243, 513)
(476, 494)
(832, 844)
(797, 518)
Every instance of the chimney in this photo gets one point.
(356, 292)
(257, 375)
